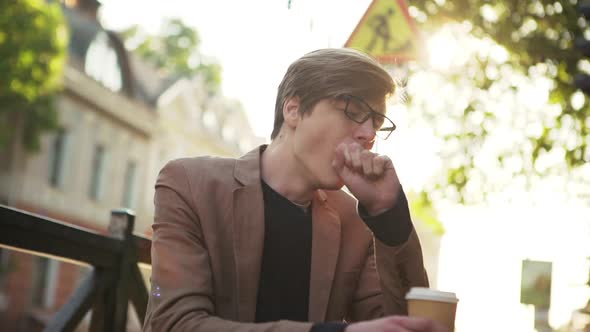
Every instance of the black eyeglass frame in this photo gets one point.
(387, 130)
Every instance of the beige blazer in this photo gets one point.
(207, 250)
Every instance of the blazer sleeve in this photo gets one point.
(181, 297)
(388, 274)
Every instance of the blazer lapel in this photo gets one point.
(324, 255)
(248, 217)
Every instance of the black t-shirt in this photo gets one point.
(283, 290)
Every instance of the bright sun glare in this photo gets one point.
(442, 49)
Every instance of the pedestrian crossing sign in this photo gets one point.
(387, 32)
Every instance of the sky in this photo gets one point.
(254, 40)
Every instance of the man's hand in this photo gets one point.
(397, 324)
(370, 177)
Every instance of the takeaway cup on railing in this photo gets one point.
(434, 304)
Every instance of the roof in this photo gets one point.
(142, 82)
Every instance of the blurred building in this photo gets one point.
(121, 121)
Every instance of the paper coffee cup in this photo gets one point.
(434, 304)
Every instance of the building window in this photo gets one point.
(129, 184)
(102, 63)
(44, 282)
(98, 162)
(58, 155)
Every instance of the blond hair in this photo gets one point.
(331, 73)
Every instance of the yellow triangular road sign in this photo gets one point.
(387, 32)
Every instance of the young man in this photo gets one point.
(270, 242)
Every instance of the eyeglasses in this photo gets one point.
(359, 111)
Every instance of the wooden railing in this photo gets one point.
(115, 278)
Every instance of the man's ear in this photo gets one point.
(291, 111)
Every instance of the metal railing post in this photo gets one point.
(121, 227)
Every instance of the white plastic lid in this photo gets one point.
(428, 294)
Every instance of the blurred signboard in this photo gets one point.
(535, 286)
(387, 32)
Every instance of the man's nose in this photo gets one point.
(365, 134)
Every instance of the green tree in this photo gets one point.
(537, 36)
(175, 50)
(33, 40)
